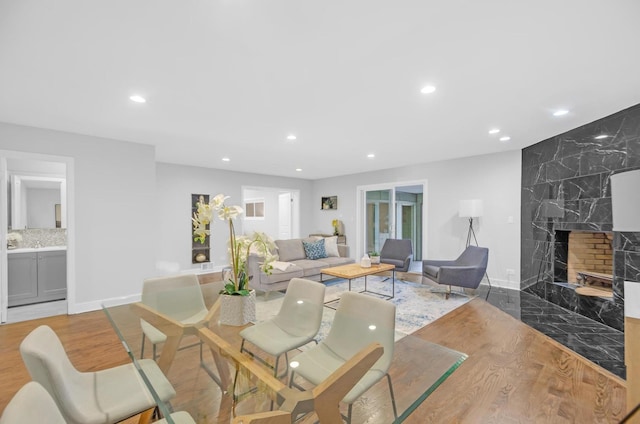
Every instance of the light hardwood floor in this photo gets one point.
(514, 374)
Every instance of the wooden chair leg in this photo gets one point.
(145, 417)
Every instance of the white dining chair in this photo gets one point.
(32, 404)
(177, 296)
(105, 396)
(360, 320)
(296, 323)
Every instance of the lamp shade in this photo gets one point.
(470, 208)
(625, 201)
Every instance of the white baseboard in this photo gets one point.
(96, 305)
(505, 284)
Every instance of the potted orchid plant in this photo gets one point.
(240, 247)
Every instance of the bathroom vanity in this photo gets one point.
(37, 275)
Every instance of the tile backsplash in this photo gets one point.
(41, 237)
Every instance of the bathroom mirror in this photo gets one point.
(37, 202)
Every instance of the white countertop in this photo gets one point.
(36, 249)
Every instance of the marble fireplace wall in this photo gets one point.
(565, 186)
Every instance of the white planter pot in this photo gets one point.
(237, 310)
(375, 260)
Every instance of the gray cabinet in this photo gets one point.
(23, 278)
(36, 277)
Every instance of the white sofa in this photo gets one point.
(292, 252)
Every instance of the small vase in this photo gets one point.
(237, 310)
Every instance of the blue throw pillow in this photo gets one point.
(315, 249)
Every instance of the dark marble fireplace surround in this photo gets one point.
(565, 187)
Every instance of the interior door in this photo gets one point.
(406, 222)
(284, 216)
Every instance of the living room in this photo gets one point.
(128, 204)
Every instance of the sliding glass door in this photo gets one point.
(391, 211)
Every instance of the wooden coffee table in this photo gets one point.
(353, 271)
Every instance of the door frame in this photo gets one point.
(295, 204)
(399, 206)
(4, 224)
(361, 209)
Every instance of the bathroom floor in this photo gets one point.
(38, 310)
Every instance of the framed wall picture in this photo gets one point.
(329, 203)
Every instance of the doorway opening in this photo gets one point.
(34, 281)
(276, 211)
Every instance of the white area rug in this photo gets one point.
(416, 304)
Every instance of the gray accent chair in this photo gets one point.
(397, 252)
(466, 271)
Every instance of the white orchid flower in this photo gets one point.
(204, 213)
(229, 212)
(218, 201)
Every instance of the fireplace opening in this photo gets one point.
(584, 260)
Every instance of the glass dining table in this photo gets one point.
(217, 383)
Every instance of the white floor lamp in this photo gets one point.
(472, 209)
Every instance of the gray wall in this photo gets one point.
(493, 178)
(130, 213)
(176, 183)
(113, 233)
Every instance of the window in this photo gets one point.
(254, 209)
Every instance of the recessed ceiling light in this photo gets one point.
(494, 131)
(225, 159)
(137, 99)
(601, 136)
(291, 137)
(505, 138)
(560, 112)
(298, 169)
(428, 89)
(371, 155)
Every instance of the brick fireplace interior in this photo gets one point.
(584, 258)
(589, 252)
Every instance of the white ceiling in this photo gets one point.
(235, 77)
